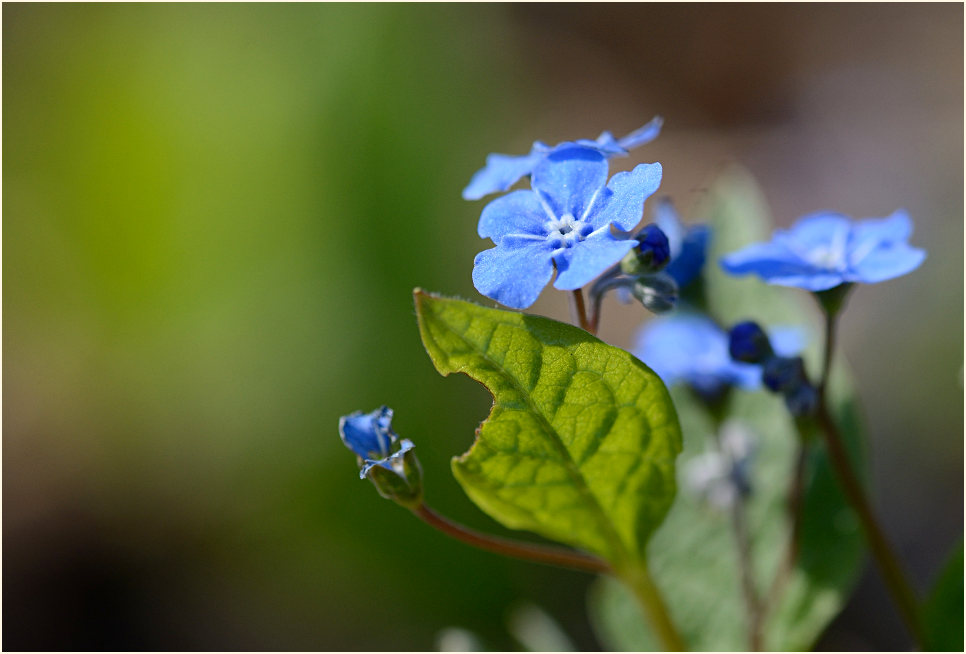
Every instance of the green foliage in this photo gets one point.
(943, 611)
(581, 441)
(694, 558)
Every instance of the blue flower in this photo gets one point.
(690, 348)
(371, 437)
(688, 245)
(503, 171)
(823, 250)
(564, 221)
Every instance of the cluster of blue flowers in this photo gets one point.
(690, 348)
(578, 224)
(780, 373)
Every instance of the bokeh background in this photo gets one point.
(213, 219)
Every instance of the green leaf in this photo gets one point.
(943, 610)
(582, 438)
(694, 558)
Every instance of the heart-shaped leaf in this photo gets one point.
(580, 444)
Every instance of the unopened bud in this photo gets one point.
(802, 401)
(658, 292)
(780, 374)
(402, 480)
(651, 253)
(748, 343)
(384, 459)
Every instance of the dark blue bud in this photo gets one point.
(802, 400)
(651, 254)
(652, 241)
(748, 343)
(783, 374)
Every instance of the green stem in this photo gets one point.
(893, 574)
(528, 551)
(831, 316)
(638, 580)
(795, 495)
(752, 601)
(739, 529)
(655, 610)
(895, 578)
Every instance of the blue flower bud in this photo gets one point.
(802, 400)
(748, 343)
(780, 374)
(386, 460)
(651, 254)
(653, 242)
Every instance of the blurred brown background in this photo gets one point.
(214, 216)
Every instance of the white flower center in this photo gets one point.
(566, 231)
(832, 255)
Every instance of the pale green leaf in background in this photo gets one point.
(581, 442)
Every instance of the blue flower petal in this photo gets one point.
(606, 143)
(766, 260)
(369, 435)
(500, 173)
(787, 341)
(666, 217)
(622, 202)
(887, 263)
(690, 260)
(874, 234)
(585, 261)
(689, 245)
(814, 231)
(642, 135)
(895, 228)
(569, 179)
(515, 271)
(519, 212)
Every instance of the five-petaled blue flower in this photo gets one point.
(503, 170)
(565, 220)
(690, 348)
(371, 437)
(688, 244)
(823, 250)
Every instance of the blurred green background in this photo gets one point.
(213, 219)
